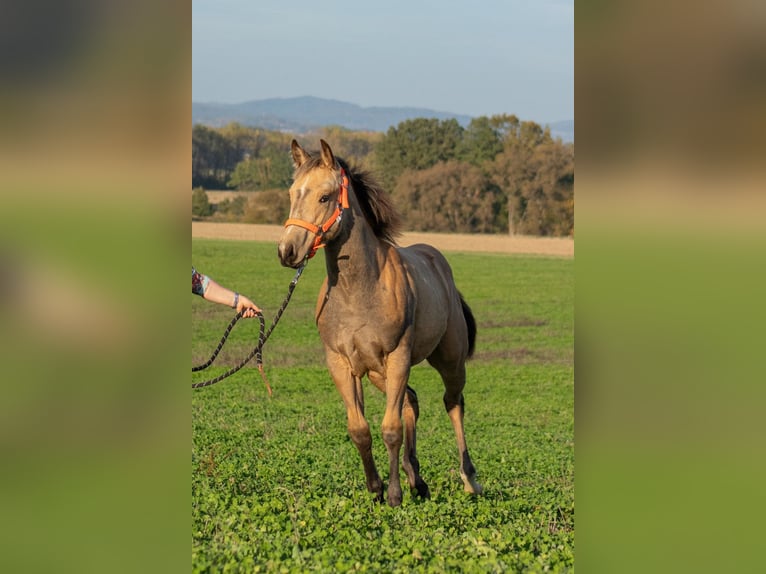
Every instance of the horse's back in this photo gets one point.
(425, 261)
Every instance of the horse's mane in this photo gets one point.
(376, 204)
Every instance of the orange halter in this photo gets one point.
(319, 231)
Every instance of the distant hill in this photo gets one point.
(303, 114)
(306, 113)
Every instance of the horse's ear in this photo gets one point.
(328, 159)
(299, 154)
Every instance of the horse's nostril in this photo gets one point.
(286, 252)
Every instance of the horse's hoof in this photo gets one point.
(421, 489)
(471, 486)
(395, 498)
(476, 489)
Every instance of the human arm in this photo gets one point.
(212, 291)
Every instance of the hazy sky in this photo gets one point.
(478, 57)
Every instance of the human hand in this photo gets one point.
(247, 307)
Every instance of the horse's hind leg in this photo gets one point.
(456, 409)
(454, 382)
(410, 413)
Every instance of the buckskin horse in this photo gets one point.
(381, 309)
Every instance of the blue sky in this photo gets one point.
(479, 57)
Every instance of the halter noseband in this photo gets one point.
(319, 231)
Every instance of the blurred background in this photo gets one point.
(94, 178)
(670, 102)
(94, 163)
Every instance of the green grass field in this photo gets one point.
(277, 485)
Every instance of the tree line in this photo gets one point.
(497, 175)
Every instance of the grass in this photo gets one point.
(277, 486)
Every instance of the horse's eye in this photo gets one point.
(324, 199)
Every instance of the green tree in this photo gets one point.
(273, 169)
(416, 144)
(505, 125)
(200, 205)
(481, 142)
(247, 175)
(231, 209)
(244, 142)
(525, 134)
(211, 158)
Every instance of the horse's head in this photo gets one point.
(318, 197)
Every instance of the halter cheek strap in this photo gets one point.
(320, 230)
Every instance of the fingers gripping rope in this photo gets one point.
(262, 338)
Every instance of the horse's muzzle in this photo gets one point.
(288, 256)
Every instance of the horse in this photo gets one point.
(381, 309)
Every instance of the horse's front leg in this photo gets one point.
(350, 389)
(397, 375)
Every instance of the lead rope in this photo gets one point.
(262, 338)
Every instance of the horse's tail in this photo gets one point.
(470, 322)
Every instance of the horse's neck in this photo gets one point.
(355, 264)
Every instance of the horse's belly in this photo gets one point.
(430, 325)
